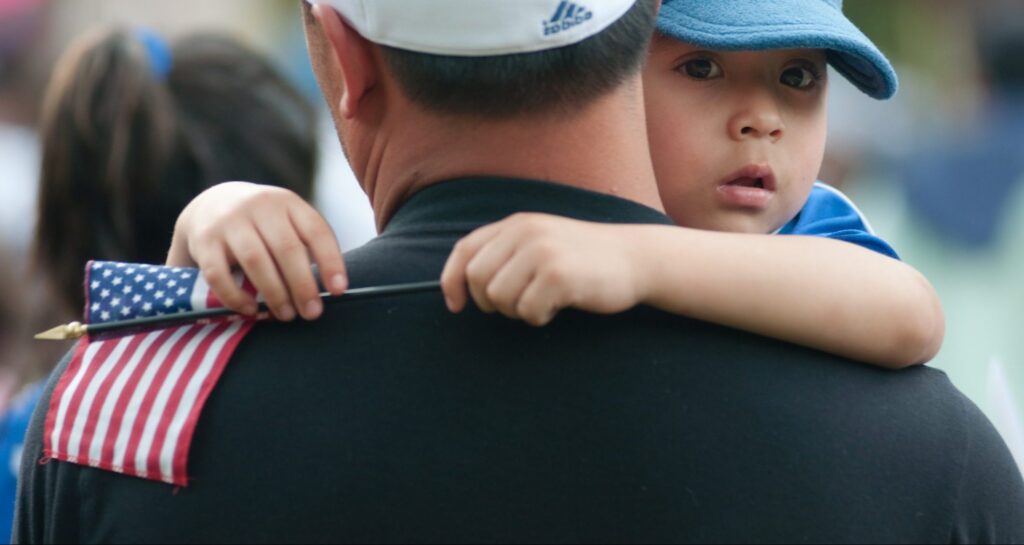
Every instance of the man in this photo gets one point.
(394, 420)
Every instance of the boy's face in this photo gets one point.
(737, 138)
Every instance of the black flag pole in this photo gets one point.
(76, 330)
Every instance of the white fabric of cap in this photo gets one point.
(474, 28)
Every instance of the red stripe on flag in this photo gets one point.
(139, 426)
(58, 393)
(125, 396)
(185, 441)
(92, 419)
(174, 401)
(76, 400)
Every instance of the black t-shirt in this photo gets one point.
(393, 420)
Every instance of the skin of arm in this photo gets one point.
(824, 294)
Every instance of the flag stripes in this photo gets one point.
(131, 404)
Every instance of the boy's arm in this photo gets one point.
(825, 294)
(821, 293)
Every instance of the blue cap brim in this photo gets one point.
(752, 25)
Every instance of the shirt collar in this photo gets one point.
(467, 203)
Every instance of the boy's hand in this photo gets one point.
(531, 266)
(271, 233)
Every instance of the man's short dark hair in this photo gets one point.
(554, 81)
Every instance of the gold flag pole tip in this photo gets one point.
(74, 330)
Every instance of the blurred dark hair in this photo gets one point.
(124, 150)
(564, 80)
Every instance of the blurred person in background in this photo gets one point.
(962, 182)
(14, 414)
(21, 24)
(132, 129)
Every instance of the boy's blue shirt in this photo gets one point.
(830, 214)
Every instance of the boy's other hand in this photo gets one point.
(271, 233)
(531, 266)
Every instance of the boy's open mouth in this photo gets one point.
(752, 186)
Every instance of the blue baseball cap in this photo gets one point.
(750, 25)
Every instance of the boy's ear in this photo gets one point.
(354, 57)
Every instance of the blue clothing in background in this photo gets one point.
(13, 426)
(830, 214)
(962, 185)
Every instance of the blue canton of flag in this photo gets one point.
(123, 291)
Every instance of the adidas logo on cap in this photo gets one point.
(566, 16)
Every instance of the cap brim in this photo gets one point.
(752, 25)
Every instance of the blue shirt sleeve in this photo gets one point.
(830, 214)
(13, 426)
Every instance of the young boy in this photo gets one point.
(737, 128)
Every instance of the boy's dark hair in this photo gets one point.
(554, 81)
(125, 150)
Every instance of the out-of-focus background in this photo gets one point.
(939, 170)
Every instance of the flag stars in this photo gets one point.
(186, 275)
(118, 281)
(182, 291)
(125, 311)
(107, 273)
(159, 294)
(96, 307)
(168, 303)
(161, 276)
(95, 284)
(172, 283)
(150, 286)
(104, 316)
(127, 290)
(148, 307)
(139, 278)
(137, 299)
(104, 294)
(115, 302)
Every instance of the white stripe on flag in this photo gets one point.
(199, 293)
(75, 440)
(107, 412)
(65, 401)
(188, 401)
(132, 411)
(157, 412)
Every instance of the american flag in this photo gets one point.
(130, 404)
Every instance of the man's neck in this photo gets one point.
(602, 149)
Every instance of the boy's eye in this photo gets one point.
(702, 69)
(799, 77)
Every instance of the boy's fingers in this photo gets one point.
(252, 255)
(453, 278)
(540, 302)
(509, 283)
(213, 263)
(319, 238)
(292, 259)
(481, 270)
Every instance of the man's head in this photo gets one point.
(503, 58)
(427, 90)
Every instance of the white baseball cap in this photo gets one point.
(477, 28)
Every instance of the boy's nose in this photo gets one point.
(759, 120)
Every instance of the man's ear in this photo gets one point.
(354, 58)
